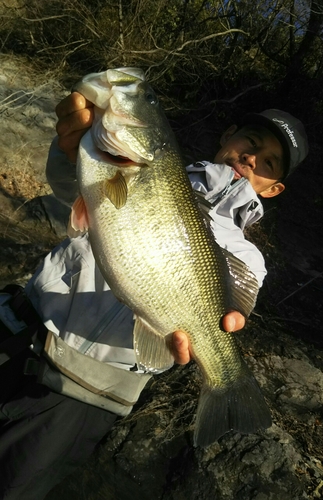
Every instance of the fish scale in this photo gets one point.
(158, 255)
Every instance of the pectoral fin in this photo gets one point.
(78, 222)
(116, 190)
(151, 348)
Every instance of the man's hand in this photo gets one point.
(75, 116)
(231, 322)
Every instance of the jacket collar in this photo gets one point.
(237, 200)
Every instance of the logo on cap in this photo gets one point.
(289, 132)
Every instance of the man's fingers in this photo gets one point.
(74, 113)
(180, 344)
(233, 321)
(70, 144)
(78, 120)
(73, 102)
(180, 348)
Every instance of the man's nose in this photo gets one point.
(249, 160)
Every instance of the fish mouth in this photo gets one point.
(115, 150)
(118, 160)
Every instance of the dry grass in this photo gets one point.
(171, 397)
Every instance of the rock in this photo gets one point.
(149, 456)
(49, 210)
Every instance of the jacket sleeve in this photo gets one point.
(61, 175)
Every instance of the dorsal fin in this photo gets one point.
(204, 205)
(244, 284)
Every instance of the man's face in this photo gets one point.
(255, 153)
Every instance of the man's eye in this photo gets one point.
(252, 142)
(270, 165)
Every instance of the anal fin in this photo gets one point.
(151, 349)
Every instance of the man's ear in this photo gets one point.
(227, 134)
(273, 190)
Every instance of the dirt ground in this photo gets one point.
(27, 126)
(289, 310)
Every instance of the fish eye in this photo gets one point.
(151, 97)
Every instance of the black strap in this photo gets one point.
(24, 311)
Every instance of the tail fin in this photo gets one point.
(240, 407)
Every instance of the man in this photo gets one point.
(265, 158)
(45, 434)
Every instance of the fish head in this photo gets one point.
(129, 121)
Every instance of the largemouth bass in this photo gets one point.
(157, 253)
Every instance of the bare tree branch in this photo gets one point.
(175, 51)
